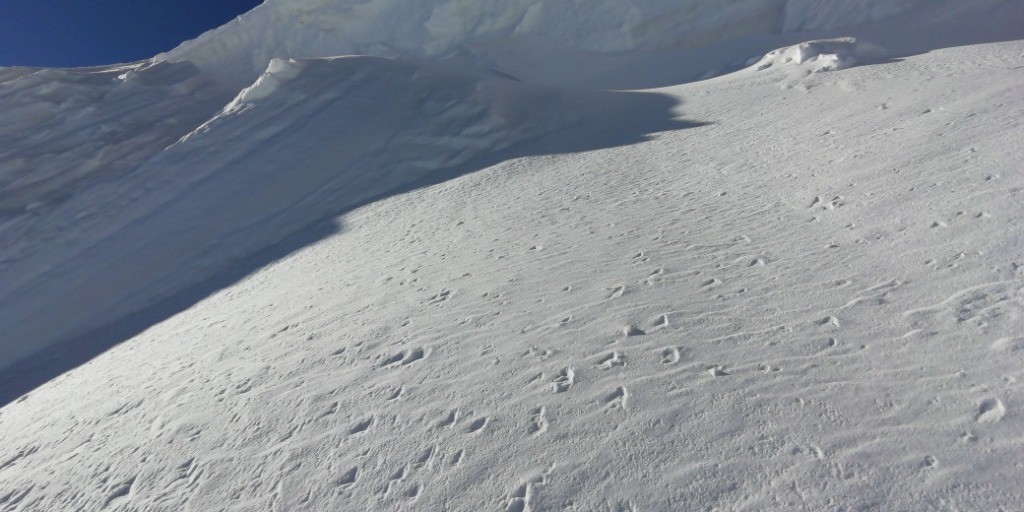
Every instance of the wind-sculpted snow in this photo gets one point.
(62, 129)
(239, 51)
(309, 139)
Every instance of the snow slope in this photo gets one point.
(91, 156)
(807, 298)
(309, 139)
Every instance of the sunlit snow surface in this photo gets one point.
(796, 286)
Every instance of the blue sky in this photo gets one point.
(67, 33)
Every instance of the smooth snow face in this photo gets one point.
(238, 52)
(819, 14)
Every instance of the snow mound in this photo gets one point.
(238, 52)
(823, 55)
(278, 73)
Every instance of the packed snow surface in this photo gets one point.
(385, 255)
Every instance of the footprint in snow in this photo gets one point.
(670, 355)
(396, 477)
(348, 478)
(991, 410)
(717, 371)
(477, 425)
(519, 501)
(710, 283)
(456, 458)
(656, 276)
(406, 358)
(616, 292)
(396, 393)
(660, 322)
(564, 380)
(632, 330)
(609, 361)
(440, 297)
(449, 420)
(538, 422)
(828, 320)
(541, 353)
(424, 458)
(413, 491)
(362, 426)
(617, 399)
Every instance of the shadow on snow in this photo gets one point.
(619, 119)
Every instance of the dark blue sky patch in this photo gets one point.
(73, 33)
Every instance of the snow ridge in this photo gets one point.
(239, 51)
